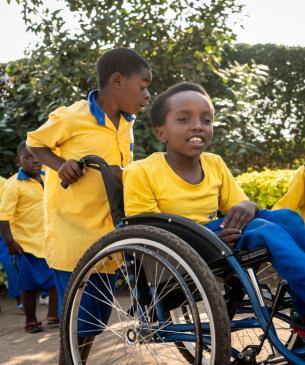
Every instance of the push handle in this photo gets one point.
(112, 177)
(81, 165)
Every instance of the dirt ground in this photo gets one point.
(17, 346)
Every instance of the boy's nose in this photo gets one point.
(147, 95)
(197, 125)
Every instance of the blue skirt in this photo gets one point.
(34, 273)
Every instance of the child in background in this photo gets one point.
(9, 266)
(195, 184)
(295, 197)
(22, 229)
(102, 125)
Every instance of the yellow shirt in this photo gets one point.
(22, 205)
(295, 197)
(78, 216)
(150, 185)
(2, 181)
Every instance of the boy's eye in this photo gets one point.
(182, 119)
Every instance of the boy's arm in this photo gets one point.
(6, 233)
(233, 202)
(9, 202)
(138, 194)
(47, 138)
(240, 215)
(68, 171)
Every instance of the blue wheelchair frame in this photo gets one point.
(215, 253)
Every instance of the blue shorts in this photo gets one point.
(282, 233)
(34, 273)
(95, 311)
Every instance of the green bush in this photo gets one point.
(267, 187)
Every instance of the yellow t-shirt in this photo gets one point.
(78, 216)
(2, 181)
(295, 197)
(150, 185)
(22, 205)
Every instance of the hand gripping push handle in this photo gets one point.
(112, 177)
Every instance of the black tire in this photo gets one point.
(183, 259)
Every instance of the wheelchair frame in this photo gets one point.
(221, 261)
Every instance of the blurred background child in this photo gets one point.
(9, 265)
(22, 229)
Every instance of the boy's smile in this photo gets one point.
(188, 129)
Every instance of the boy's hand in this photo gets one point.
(69, 172)
(240, 215)
(14, 248)
(229, 236)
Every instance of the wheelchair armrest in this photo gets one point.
(202, 240)
(250, 258)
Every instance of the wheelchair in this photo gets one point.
(180, 296)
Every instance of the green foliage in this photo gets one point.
(278, 118)
(267, 187)
(235, 109)
(181, 40)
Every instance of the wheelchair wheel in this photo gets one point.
(159, 276)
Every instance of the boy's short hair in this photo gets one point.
(122, 60)
(20, 148)
(160, 106)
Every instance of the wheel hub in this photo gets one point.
(131, 336)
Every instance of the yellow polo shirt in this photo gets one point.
(78, 216)
(295, 197)
(2, 181)
(22, 205)
(150, 185)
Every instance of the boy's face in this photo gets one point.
(28, 163)
(188, 128)
(133, 95)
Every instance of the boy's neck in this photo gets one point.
(35, 176)
(189, 169)
(109, 107)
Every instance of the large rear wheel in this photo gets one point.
(158, 274)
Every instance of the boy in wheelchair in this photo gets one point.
(187, 181)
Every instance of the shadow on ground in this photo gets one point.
(20, 348)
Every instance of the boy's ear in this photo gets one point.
(18, 161)
(161, 134)
(116, 80)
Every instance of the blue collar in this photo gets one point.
(97, 111)
(23, 176)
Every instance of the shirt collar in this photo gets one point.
(97, 111)
(23, 176)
